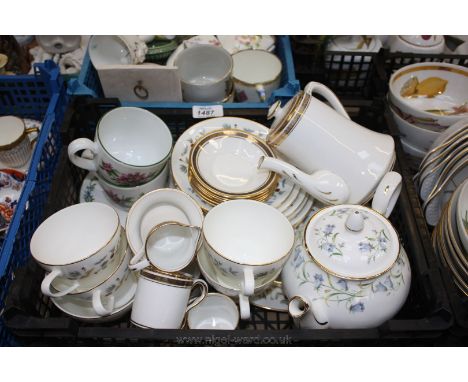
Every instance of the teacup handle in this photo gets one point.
(83, 144)
(248, 285)
(316, 87)
(46, 284)
(136, 263)
(204, 290)
(387, 193)
(98, 306)
(261, 92)
(30, 130)
(244, 307)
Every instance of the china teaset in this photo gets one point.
(268, 217)
(209, 68)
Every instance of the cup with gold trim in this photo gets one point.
(75, 243)
(216, 312)
(15, 144)
(256, 74)
(170, 246)
(162, 298)
(248, 243)
(99, 288)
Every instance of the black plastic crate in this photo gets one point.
(458, 300)
(346, 73)
(424, 319)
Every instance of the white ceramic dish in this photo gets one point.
(92, 191)
(462, 215)
(417, 44)
(83, 310)
(411, 150)
(228, 161)
(215, 312)
(416, 136)
(452, 101)
(181, 152)
(236, 43)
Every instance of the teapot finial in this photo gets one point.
(355, 221)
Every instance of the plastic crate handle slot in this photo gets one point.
(47, 283)
(79, 145)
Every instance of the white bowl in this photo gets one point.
(417, 44)
(417, 136)
(455, 94)
(411, 150)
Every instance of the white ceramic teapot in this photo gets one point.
(348, 272)
(337, 160)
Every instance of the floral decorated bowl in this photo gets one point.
(11, 184)
(431, 93)
(349, 272)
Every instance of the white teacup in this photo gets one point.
(169, 246)
(256, 74)
(205, 73)
(15, 145)
(248, 243)
(215, 312)
(76, 242)
(101, 296)
(131, 146)
(126, 196)
(116, 50)
(161, 300)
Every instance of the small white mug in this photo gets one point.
(15, 145)
(161, 299)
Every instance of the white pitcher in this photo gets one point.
(338, 161)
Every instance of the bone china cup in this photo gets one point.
(248, 242)
(216, 311)
(131, 147)
(15, 146)
(161, 299)
(76, 242)
(205, 73)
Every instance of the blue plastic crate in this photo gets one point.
(88, 84)
(43, 97)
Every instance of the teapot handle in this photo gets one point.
(387, 193)
(316, 87)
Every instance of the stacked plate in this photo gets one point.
(443, 169)
(450, 237)
(223, 166)
(288, 198)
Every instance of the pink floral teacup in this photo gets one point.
(131, 147)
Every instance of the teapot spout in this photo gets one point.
(323, 185)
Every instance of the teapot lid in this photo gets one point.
(352, 242)
(425, 41)
(286, 117)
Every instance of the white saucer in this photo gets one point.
(181, 152)
(83, 310)
(272, 298)
(91, 191)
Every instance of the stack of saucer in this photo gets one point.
(450, 237)
(223, 166)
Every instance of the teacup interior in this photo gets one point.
(256, 66)
(248, 232)
(134, 136)
(11, 129)
(171, 247)
(214, 312)
(74, 233)
(108, 50)
(203, 64)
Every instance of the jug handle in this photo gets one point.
(387, 193)
(316, 87)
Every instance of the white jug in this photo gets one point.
(337, 160)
